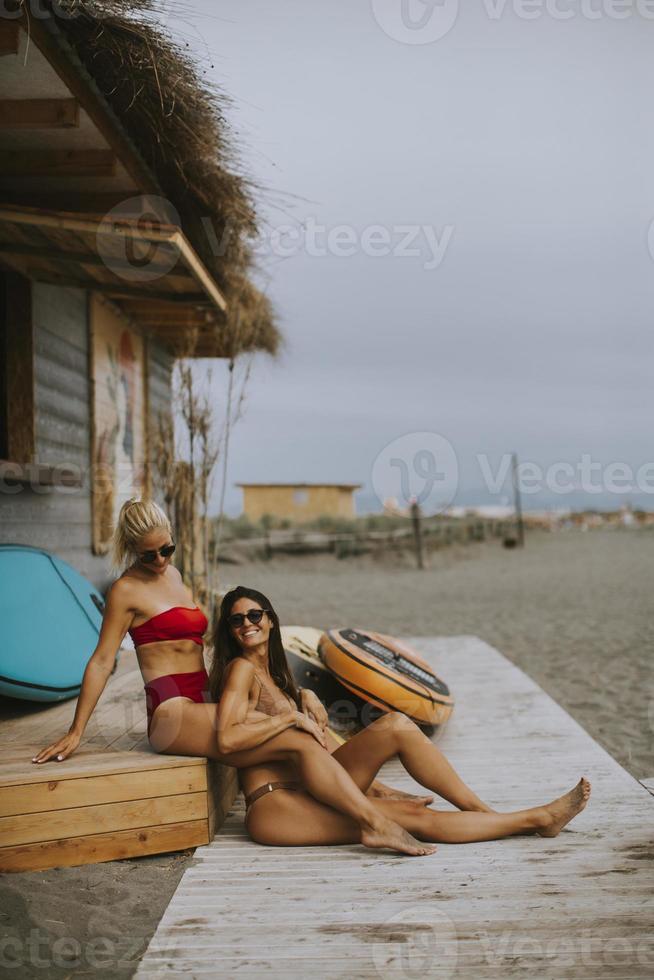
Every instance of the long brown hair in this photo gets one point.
(226, 647)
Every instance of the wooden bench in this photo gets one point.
(114, 798)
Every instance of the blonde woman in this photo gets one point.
(150, 601)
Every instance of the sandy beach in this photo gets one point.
(572, 610)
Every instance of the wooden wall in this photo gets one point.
(59, 519)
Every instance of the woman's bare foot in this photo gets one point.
(388, 834)
(561, 811)
(388, 793)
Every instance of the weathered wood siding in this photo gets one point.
(59, 519)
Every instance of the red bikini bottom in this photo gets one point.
(193, 684)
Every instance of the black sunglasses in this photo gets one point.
(254, 615)
(149, 556)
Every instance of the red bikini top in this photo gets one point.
(177, 623)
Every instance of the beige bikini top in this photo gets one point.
(271, 700)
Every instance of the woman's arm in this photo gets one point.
(115, 622)
(235, 732)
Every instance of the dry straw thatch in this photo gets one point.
(178, 124)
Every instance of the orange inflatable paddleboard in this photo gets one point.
(387, 674)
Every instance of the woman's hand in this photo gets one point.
(59, 750)
(313, 706)
(308, 725)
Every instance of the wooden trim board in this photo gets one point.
(112, 846)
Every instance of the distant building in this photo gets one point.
(298, 501)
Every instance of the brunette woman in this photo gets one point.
(251, 678)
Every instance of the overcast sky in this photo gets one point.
(513, 159)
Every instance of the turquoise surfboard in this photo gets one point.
(50, 618)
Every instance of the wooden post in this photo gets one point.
(266, 522)
(517, 503)
(417, 532)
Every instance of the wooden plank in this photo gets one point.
(9, 37)
(60, 794)
(18, 332)
(124, 690)
(68, 257)
(105, 817)
(525, 906)
(16, 771)
(57, 163)
(39, 114)
(95, 848)
(222, 789)
(113, 287)
(76, 203)
(648, 784)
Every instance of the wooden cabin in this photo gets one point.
(298, 501)
(106, 273)
(123, 245)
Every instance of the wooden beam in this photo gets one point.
(169, 235)
(71, 201)
(116, 289)
(55, 254)
(96, 108)
(162, 312)
(39, 113)
(199, 270)
(9, 37)
(19, 338)
(58, 163)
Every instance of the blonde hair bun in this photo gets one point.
(136, 519)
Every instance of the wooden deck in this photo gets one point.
(578, 906)
(114, 798)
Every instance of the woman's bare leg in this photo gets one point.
(188, 728)
(396, 735)
(285, 818)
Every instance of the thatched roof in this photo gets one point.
(177, 122)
